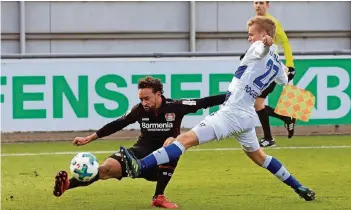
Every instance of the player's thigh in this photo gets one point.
(259, 104)
(248, 140)
(222, 124)
(204, 132)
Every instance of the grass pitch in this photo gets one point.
(209, 178)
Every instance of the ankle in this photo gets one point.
(67, 185)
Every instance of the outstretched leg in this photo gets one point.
(202, 133)
(163, 155)
(111, 168)
(257, 155)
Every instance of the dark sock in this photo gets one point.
(270, 112)
(73, 182)
(264, 119)
(165, 174)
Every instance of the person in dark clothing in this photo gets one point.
(159, 118)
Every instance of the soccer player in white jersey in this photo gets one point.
(259, 68)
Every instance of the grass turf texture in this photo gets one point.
(203, 179)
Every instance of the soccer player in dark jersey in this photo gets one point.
(159, 119)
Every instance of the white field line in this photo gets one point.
(191, 150)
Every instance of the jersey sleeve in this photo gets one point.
(256, 51)
(281, 78)
(120, 123)
(260, 50)
(283, 41)
(193, 105)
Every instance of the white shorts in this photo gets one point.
(221, 125)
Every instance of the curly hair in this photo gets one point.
(150, 82)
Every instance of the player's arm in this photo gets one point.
(111, 127)
(258, 50)
(193, 105)
(282, 77)
(267, 41)
(283, 40)
(120, 123)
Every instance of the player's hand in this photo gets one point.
(286, 70)
(291, 73)
(169, 141)
(267, 40)
(79, 141)
(242, 56)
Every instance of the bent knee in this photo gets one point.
(111, 168)
(103, 171)
(257, 157)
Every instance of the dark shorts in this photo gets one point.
(268, 90)
(141, 152)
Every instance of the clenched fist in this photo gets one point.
(79, 141)
(267, 40)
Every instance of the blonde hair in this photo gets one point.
(264, 23)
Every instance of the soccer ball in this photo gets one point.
(84, 166)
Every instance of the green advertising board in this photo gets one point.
(84, 94)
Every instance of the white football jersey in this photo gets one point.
(257, 70)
